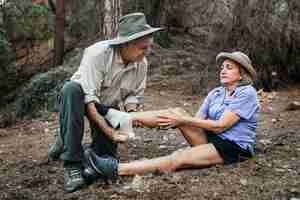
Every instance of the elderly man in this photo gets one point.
(112, 74)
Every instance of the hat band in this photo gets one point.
(137, 29)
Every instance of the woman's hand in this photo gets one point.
(169, 121)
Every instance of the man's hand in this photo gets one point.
(137, 123)
(119, 136)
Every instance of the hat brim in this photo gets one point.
(121, 40)
(248, 67)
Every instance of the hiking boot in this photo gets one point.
(55, 149)
(99, 167)
(73, 177)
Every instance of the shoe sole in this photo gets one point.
(75, 189)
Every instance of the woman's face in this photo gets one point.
(229, 73)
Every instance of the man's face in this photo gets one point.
(135, 50)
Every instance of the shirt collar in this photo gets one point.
(119, 61)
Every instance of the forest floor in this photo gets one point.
(274, 173)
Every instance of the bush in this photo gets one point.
(27, 21)
(7, 54)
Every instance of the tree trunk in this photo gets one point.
(110, 12)
(52, 6)
(59, 33)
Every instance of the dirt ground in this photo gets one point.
(274, 173)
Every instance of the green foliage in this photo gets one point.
(82, 23)
(41, 93)
(6, 52)
(27, 20)
(38, 10)
(163, 39)
(3, 40)
(4, 44)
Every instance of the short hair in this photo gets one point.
(246, 78)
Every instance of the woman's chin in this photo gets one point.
(223, 82)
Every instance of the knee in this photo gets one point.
(71, 89)
(177, 156)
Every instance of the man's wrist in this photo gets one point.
(108, 131)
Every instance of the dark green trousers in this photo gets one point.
(71, 119)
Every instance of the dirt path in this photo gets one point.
(273, 174)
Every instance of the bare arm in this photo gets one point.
(99, 119)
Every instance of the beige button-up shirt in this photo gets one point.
(105, 79)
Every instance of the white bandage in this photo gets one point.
(120, 119)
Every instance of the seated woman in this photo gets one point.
(222, 132)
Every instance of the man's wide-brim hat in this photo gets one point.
(240, 58)
(131, 27)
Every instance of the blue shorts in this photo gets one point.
(229, 151)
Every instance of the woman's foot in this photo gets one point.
(99, 167)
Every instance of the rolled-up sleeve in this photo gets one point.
(203, 110)
(90, 76)
(244, 104)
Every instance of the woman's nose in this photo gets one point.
(223, 71)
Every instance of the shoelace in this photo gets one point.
(75, 173)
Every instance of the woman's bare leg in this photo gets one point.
(200, 156)
(195, 157)
(194, 136)
(162, 164)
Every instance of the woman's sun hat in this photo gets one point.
(131, 27)
(240, 58)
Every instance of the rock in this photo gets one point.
(204, 19)
(170, 70)
(274, 120)
(163, 146)
(295, 105)
(244, 182)
(39, 94)
(137, 183)
(265, 141)
(165, 138)
(280, 170)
